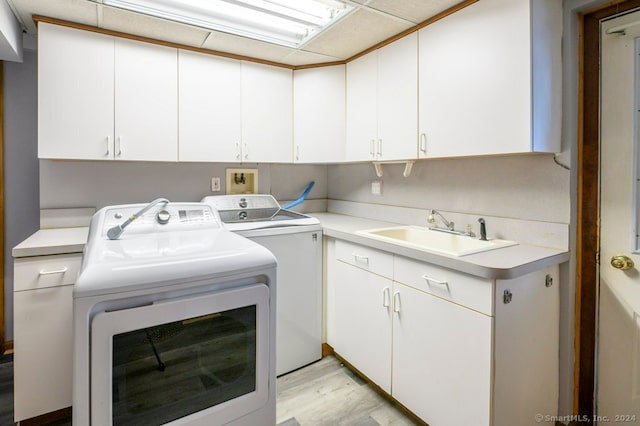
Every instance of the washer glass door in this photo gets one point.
(200, 355)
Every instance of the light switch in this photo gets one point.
(215, 184)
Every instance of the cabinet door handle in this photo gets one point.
(423, 142)
(106, 154)
(245, 151)
(119, 150)
(396, 302)
(430, 280)
(380, 147)
(297, 152)
(238, 154)
(386, 297)
(53, 272)
(359, 258)
(372, 149)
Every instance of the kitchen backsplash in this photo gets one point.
(528, 187)
(65, 184)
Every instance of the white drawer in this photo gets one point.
(466, 290)
(376, 261)
(30, 273)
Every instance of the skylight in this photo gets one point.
(286, 22)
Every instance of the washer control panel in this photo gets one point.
(171, 216)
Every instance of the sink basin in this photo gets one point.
(434, 241)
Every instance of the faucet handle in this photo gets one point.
(469, 231)
(483, 229)
(431, 219)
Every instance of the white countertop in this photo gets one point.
(53, 241)
(503, 263)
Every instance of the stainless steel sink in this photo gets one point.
(434, 241)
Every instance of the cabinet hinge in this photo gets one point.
(597, 258)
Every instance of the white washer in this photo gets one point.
(173, 322)
(296, 241)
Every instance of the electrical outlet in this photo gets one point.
(215, 184)
(376, 187)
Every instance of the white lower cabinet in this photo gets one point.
(441, 359)
(363, 314)
(43, 324)
(454, 349)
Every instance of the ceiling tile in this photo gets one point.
(80, 11)
(300, 57)
(415, 11)
(373, 22)
(246, 47)
(145, 26)
(356, 32)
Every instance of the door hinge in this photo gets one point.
(597, 258)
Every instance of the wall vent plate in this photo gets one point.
(242, 181)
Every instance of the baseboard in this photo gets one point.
(46, 419)
(381, 391)
(7, 348)
(326, 350)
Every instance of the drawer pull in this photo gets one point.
(386, 297)
(430, 280)
(55, 271)
(396, 302)
(359, 258)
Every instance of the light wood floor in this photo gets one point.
(323, 393)
(328, 393)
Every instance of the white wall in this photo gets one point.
(65, 184)
(522, 187)
(20, 166)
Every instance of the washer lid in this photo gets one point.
(153, 255)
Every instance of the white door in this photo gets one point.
(398, 100)
(441, 359)
(267, 113)
(362, 131)
(146, 102)
(618, 356)
(209, 108)
(75, 94)
(319, 117)
(362, 312)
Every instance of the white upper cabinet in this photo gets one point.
(75, 94)
(319, 130)
(382, 103)
(398, 99)
(102, 98)
(267, 113)
(209, 108)
(362, 116)
(234, 111)
(146, 102)
(490, 78)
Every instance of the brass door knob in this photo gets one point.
(621, 261)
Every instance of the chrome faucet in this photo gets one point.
(115, 232)
(449, 225)
(432, 220)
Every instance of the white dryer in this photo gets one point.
(174, 321)
(296, 241)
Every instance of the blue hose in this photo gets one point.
(302, 197)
